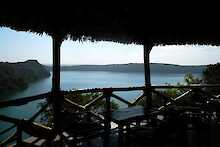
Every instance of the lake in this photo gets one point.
(86, 79)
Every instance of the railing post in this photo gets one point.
(56, 98)
(19, 135)
(107, 94)
(147, 91)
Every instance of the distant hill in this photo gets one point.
(136, 67)
(15, 76)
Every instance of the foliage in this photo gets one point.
(84, 99)
(172, 93)
(211, 76)
(17, 76)
(81, 99)
(190, 79)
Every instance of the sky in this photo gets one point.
(21, 46)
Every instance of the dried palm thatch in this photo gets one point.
(125, 25)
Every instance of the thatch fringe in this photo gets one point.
(124, 25)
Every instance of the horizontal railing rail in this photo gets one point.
(121, 89)
(23, 101)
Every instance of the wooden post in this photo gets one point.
(56, 64)
(147, 92)
(107, 94)
(56, 97)
(19, 135)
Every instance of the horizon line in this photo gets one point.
(129, 63)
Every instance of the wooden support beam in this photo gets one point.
(107, 93)
(147, 92)
(56, 97)
(19, 136)
(56, 63)
(147, 49)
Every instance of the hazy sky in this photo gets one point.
(21, 46)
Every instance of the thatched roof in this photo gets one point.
(125, 25)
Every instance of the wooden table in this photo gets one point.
(124, 117)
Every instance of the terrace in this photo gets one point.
(169, 123)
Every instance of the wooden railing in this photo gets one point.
(106, 94)
(22, 124)
(154, 89)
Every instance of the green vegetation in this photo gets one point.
(212, 76)
(84, 99)
(190, 79)
(17, 76)
(175, 92)
(81, 99)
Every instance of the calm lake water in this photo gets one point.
(86, 79)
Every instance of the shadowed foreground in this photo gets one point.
(189, 120)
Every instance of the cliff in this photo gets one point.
(15, 76)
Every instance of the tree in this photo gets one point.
(211, 75)
(81, 99)
(190, 79)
